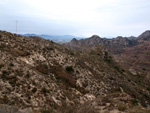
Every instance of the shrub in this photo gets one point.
(43, 68)
(1, 65)
(11, 64)
(135, 101)
(122, 107)
(34, 90)
(146, 95)
(27, 75)
(44, 90)
(1, 47)
(5, 100)
(46, 110)
(107, 60)
(13, 81)
(144, 69)
(72, 53)
(69, 69)
(117, 68)
(106, 53)
(4, 73)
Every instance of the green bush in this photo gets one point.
(107, 60)
(1, 47)
(135, 101)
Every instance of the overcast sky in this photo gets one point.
(76, 17)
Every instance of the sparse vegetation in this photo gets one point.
(39, 74)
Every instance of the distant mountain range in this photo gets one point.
(55, 38)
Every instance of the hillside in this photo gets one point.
(131, 51)
(138, 56)
(37, 75)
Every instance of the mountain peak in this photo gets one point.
(145, 35)
(95, 36)
(74, 40)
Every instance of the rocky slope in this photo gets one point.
(131, 51)
(42, 75)
(137, 57)
(115, 45)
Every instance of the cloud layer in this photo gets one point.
(76, 17)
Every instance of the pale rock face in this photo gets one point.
(79, 83)
(133, 71)
(90, 97)
(86, 98)
(58, 102)
(32, 58)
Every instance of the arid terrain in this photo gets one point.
(93, 75)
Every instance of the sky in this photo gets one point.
(106, 18)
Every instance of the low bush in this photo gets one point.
(122, 107)
(44, 90)
(34, 90)
(44, 110)
(69, 69)
(135, 101)
(43, 68)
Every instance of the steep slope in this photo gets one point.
(37, 73)
(132, 54)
